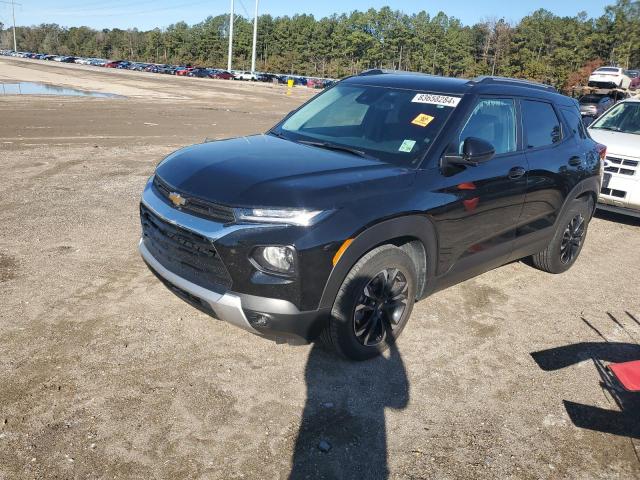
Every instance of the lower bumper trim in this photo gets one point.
(227, 307)
(281, 320)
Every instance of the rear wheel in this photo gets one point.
(373, 304)
(566, 245)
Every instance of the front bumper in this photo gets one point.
(274, 318)
(225, 306)
(621, 188)
(588, 112)
(604, 81)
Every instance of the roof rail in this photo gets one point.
(506, 80)
(381, 71)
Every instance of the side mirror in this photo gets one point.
(474, 152)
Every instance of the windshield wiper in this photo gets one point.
(276, 134)
(333, 146)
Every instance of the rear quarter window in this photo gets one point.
(541, 124)
(574, 120)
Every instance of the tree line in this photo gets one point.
(542, 46)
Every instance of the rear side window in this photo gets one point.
(541, 125)
(574, 120)
(494, 121)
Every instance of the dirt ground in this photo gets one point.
(106, 374)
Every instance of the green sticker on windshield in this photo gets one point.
(407, 146)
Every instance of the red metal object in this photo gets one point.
(467, 186)
(470, 204)
(628, 374)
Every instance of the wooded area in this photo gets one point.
(541, 46)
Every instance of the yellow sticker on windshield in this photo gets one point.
(422, 120)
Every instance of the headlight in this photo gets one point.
(300, 217)
(278, 259)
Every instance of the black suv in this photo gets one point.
(374, 194)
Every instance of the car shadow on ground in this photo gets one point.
(617, 217)
(623, 421)
(343, 433)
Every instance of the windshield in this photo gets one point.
(591, 98)
(624, 117)
(391, 125)
(608, 69)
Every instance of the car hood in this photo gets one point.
(625, 144)
(264, 170)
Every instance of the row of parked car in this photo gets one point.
(180, 70)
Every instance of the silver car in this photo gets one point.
(594, 105)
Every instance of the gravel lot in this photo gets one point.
(105, 374)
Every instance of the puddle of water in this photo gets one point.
(33, 88)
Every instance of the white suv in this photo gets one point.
(607, 77)
(619, 130)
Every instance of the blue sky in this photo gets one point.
(146, 14)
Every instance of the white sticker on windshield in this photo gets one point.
(432, 99)
(407, 146)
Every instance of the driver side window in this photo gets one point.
(494, 121)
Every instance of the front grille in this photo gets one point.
(612, 192)
(185, 253)
(623, 166)
(622, 171)
(197, 206)
(184, 295)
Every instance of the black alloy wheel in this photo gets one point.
(567, 242)
(373, 304)
(572, 239)
(380, 307)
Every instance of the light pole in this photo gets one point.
(255, 39)
(13, 13)
(230, 38)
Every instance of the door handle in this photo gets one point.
(516, 172)
(575, 161)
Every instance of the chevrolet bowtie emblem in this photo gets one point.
(177, 199)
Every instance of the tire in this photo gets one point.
(360, 303)
(566, 244)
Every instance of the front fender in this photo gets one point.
(417, 227)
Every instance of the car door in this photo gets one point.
(554, 163)
(478, 226)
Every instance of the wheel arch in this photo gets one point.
(587, 188)
(589, 195)
(415, 234)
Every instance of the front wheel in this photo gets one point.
(567, 242)
(373, 304)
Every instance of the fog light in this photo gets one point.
(278, 259)
(257, 319)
